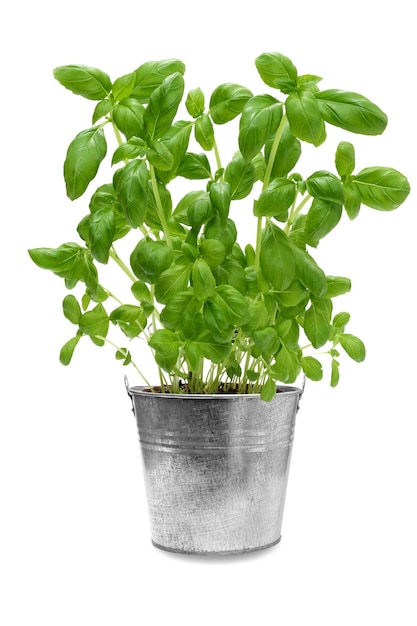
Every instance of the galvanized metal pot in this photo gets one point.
(216, 468)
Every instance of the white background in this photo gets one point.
(74, 538)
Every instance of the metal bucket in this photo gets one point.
(216, 468)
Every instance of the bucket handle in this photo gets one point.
(302, 391)
(126, 381)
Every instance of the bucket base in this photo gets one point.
(222, 553)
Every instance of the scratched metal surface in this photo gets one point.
(216, 468)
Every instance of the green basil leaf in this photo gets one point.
(122, 87)
(164, 341)
(221, 197)
(276, 199)
(334, 380)
(340, 320)
(190, 251)
(287, 155)
(241, 177)
(102, 109)
(337, 286)
(192, 323)
(309, 273)
(171, 282)
(293, 301)
(312, 368)
(226, 233)
(256, 282)
(283, 327)
(227, 101)
(260, 119)
(296, 233)
(67, 350)
(150, 75)
(176, 140)
(204, 132)
(163, 106)
(70, 283)
(166, 345)
(89, 82)
(216, 320)
(90, 277)
(200, 211)
(124, 355)
(212, 251)
(203, 280)
(266, 341)
(304, 117)
(292, 296)
(85, 301)
(309, 82)
(101, 233)
(72, 309)
(194, 167)
(258, 317)
(128, 115)
(230, 272)
(180, 213)
(345, 159)
(131, 185)
(277, 257)
(292, 336)
(277, 71)
(354, 347)
(382, 188)
(96, 292)
(194, 102)
(326, 186)
(150, 258)
(322, 217)
(353, 199)
(67, 261)
(180, 311)
(238, 254)
(132, 149)
(210, 349)
(104, 197)
(317, 322)
(126, 313)
(84, 155)
(193, 355)
(141, 292)
(130, 318)
(351, 111)
(159, 156)
(95, 323)
(233, 304)
(268, 390)
(259, 164)
(234, 369)
(287, 365)
(251, 375)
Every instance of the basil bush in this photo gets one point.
(216, 316)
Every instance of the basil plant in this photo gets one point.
(217, 316)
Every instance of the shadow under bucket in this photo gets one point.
(216, 468)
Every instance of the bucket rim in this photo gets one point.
(143, 390)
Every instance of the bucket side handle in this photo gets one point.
(129, 393)
(301, 394)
